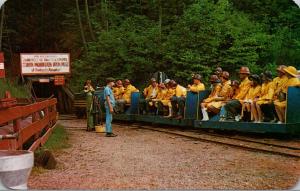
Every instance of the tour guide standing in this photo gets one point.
(109, 106)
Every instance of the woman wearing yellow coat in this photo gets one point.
(279, 81)
(118, 90)
(162, 90)
(252, 95)
(166, 100)
(266, 97)
(280, 103)
(224, 94)
(216, 83)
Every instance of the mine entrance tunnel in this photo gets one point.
(44, 87)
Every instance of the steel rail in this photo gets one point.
(241, 145)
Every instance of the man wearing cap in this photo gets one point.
(126, 97)
(197, 84)
(216, 88)
(109, 106)
(150, 93)
(234, 106)
(178, 100)
(266, 95)
(280, 104)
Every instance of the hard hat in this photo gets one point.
(127, 81)
(225, 75)
(152, 80)
(244, 70)
(167, 81)
(280, 68)
(268, 75)
(235, 83)
(291, 70)
(197, 76)
(255, 78)
(214, 79)
(218, 70)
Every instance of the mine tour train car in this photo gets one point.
(193, 115)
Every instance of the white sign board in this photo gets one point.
(1, 66)
(45, 63)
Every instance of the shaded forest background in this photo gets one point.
(135, 38)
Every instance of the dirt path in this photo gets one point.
(139, 159)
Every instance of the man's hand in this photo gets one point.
(111, 110)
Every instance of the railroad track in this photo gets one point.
(67, 117)
(241, 143)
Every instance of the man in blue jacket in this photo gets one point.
(109, 106)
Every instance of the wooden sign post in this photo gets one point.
(2, 69)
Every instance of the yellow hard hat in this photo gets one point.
(291, 70)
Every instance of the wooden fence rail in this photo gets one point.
(31, 124)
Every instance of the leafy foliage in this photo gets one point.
(179, 37)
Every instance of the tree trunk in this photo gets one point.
(80, 26)
(106, 11)
(88, 19)
(160, 18)
(2, 25)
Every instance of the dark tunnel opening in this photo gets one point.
(50, 90)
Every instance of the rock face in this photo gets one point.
(45, 159)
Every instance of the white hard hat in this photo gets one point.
(167, 81)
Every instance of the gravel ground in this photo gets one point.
(139, 159)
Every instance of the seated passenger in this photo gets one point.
(216, 88)
(126, 96)
(118, 90)
(178, 100)
(225, 93)
(166, 100)
(197, 85)
(266, 96)
(149, 93)
(233, 107)
(279, 81)
(248, 104)
(280, 103)
(269, 109)
(162, 90)
(234, 91)
(219, 72)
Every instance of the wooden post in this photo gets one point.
(34, 117)
(17, 125)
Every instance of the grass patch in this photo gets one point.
(16, 90)
(58, 139)
(43, 157)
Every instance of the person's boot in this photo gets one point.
(110, 135)
(170, 113)
(179, 117)
(204, 114)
